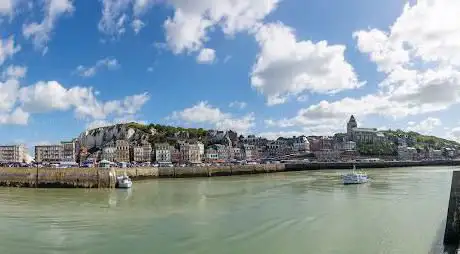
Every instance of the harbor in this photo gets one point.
(286, 212)
(107, 177)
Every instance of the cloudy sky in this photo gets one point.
(269, 67)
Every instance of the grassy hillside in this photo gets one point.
(421, 141)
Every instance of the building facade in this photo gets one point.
(122, 151)
(49, 153)
(109, 153)
(407, 153)
(190, 153)
(142, 153)
(162, 153)
(249, 152)
(301, 144)
(69, 151)
(211, 155)
(13, 153)
(362, 135)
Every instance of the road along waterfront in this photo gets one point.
(402, 210)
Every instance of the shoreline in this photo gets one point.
(105, 178)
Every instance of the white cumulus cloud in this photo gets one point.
(187, 29)
(206, 56)
(426, 126)
(203, 113)
(419, 55)
(286, 66)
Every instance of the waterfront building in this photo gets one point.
(109, 153)
(136, 153)
(249, 152)
(301, 144)
(146, 152)
(362, 135)
(69, 151)
(236, 153)
(163, 153)
(211, 155)
(190, 153)
(201, 146)
(49, 153)
(434, 154)
(142, 153)
(13, 153)
(176, 155)
(407, 153)
(326, 143)
(315, 144)
(122, 151)
(223, 152)
(278, 147)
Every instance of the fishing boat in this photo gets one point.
(355, 177)
(124, 182)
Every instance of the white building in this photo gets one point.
(201, 146)
(211, 154)
(13, 153)
(69, 151)
(109, 153)
(162, 153)
(141, 153)
(301, 144)
(49, 153)
(190, 153)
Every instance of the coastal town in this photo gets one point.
(132, 145)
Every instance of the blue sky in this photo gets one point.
(269, 67)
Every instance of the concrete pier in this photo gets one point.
(452, 231)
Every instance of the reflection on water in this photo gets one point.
(399, 211)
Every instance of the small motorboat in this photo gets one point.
(124, 182)
(355, 177)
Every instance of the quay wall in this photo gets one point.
(105, 178)
(57, 177)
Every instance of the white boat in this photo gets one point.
(355, 177)
(124, 182)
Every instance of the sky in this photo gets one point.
(265, 67)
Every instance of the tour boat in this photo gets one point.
(124, 182)
(355, 177)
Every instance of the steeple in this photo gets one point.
(350, 125)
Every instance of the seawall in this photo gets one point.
(105, 178)
(57, 178)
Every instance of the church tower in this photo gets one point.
(350, 125)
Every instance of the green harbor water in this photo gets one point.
(399, 211)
